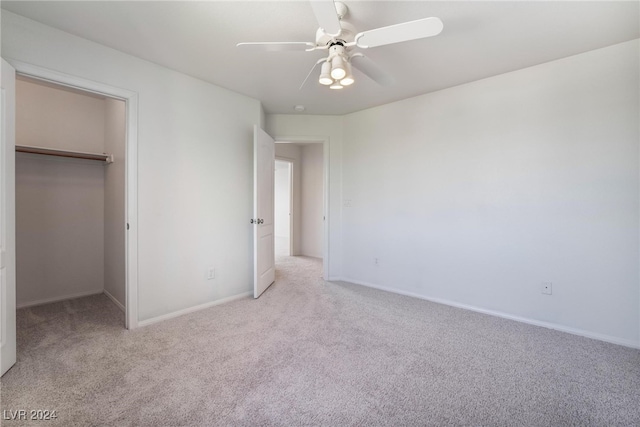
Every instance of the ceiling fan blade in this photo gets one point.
(397, 33)
(276, 46)
(325, 11)
(371, 70)
(315, 66)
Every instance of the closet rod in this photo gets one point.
(108, 158)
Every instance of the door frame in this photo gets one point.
(291, 214)
(8, 333)
(131, 167)
(326, 191)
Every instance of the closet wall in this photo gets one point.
(60, 202)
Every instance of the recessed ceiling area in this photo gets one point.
(480, 39)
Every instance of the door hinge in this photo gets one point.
(127, 226)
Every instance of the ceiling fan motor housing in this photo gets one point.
(337, 49)
(347, 35)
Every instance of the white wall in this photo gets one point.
(59, 202)
(194, 156)
(312, 200)
(293, 153)
(293, 127)
(114, 200)
(283, 197)
(477, 194)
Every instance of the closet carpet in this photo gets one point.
(310, 352)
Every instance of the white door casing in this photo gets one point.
(263, 211)
(7, 220)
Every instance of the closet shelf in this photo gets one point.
(107, 158)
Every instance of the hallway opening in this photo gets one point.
(299, 203)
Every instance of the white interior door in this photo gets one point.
(263, 213)
(7, 220)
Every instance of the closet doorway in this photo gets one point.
(71, 148)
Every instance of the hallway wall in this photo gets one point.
(312, 200)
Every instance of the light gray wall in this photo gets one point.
(312, 200)
(293, 152)
(114, 200)
(477, 194)
(54, 118)
(194, 156)
(59, 202)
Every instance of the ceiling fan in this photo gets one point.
(341, 39)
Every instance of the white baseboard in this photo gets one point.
(115, 301)
(316, 256)
(57, 299)
(549, 325)
(192, 309)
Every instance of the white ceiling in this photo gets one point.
(480, 39)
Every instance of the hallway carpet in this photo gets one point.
(309, 352)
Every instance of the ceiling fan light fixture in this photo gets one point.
(338, 71)
(348, 78)
(336, 85)
(325, 74)
(347, 81)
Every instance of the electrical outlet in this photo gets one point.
(546, 288)
(211, 273)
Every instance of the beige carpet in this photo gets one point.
(314, 353)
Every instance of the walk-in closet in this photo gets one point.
(70, 195)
